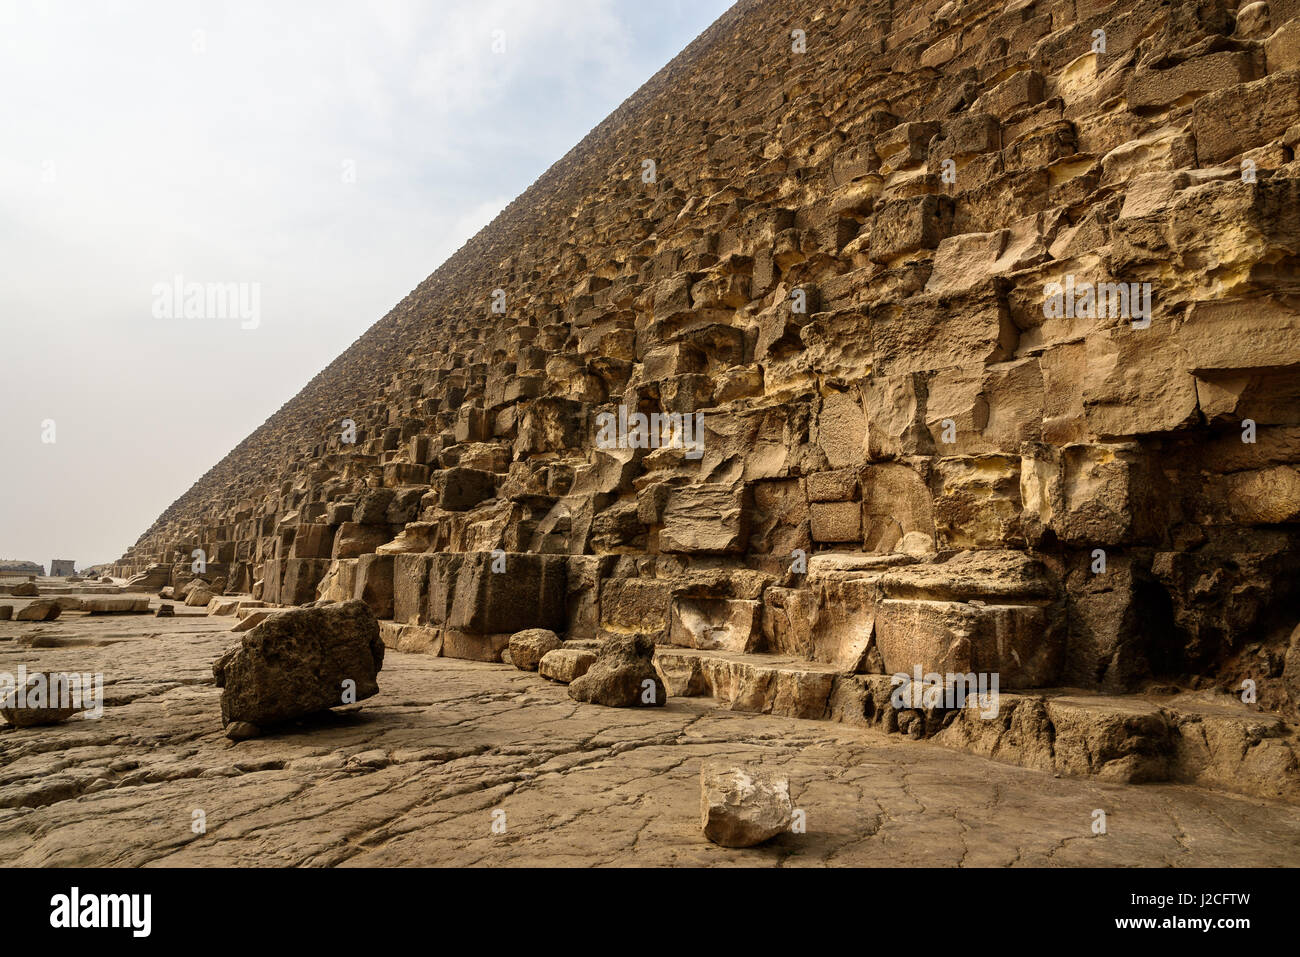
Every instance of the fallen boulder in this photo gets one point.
(742, 804)
(6, 612)
(527, 647)
(25, 590)
(43, 609)
(622, 676)
(299, 662)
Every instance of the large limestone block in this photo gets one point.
(443, 573)
(115, 605)
(1090, 494)
(355, 539)
(896, 503)
(715, 623)
(974, 411)
(1230, 334)
(374, 584)
(372, 509)
(551, 424)
(1229, 122)
(340, 581)
(906, 226)
(1109, 622)
(301, 578)
(840, 485)
(780, 520)
(1282, 48)
(1194, 77)
(154, 577)
(1137, 381)
(930, 332)
(842, 618)
(842, 429)
(978, 502)
(411, 588)
(743, 805)
(836, 521)
(905, 144)
(635, 605)
(530, 592)
(788, 617)
(895, 412)
(474, 646)
(299, 662)
(705, 519)
(460, 489)
(1020, 643)
(1268, 496)
(314, 540)
(42, 609)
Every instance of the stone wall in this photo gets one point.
(983, 317)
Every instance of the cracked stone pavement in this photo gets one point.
(414, 776)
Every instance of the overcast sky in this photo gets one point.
(327, 155)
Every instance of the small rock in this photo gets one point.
(742, 805)
(623, 676)
(527, 647)
(566, 664)
(242, 730)
(165, 610)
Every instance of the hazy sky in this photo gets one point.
(326, 155)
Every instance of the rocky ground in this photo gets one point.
(419, 774)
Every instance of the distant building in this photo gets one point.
(62, 567)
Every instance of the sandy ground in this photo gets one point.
(460, 763)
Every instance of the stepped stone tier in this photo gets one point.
(979, 325)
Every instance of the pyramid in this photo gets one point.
(864, 339)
